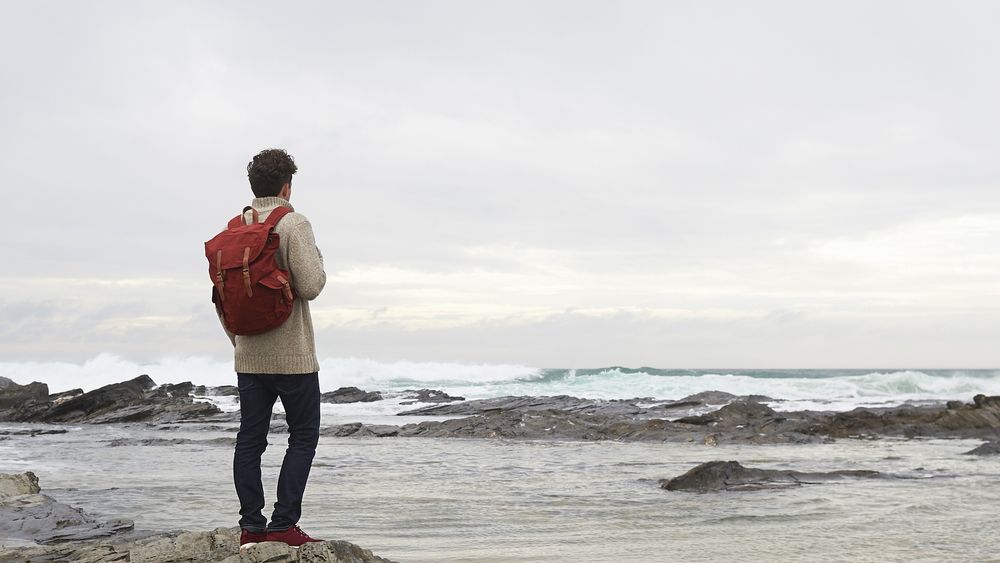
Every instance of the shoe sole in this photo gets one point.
(251, 544)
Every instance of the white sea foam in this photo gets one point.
(804, 389)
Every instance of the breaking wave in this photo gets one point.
(817, 389)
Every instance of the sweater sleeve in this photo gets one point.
(305, 262)
(232, 337)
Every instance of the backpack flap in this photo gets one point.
(233, 243)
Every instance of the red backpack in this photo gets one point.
(251, 292)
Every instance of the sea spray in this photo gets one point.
(816, 389)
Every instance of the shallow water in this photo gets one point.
(441, 500)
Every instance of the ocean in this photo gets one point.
(435, 500)
(793, 389)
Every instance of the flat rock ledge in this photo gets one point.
(715, 476)
(66, 533)
(220, 544)
(27, 514)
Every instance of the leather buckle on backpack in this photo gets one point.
(246, 271)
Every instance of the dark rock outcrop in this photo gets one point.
(732, 476)
(562, 425)
(183, 389)
(978, 420)
(989, 448)
(128, 401)
(13, 395)
(350, 395)
(743, 420)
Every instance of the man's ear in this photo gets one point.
(286, 191)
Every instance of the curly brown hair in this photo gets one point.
(270, 170)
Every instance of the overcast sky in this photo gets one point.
(558, 184)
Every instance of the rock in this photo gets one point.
(641, 407)
(69, 534)
(220, 391)
(33, 432)
(952, 405)
(119, 442)
(176, 389)
(27, 514)
(732, 476)
(378, 430)
(6, 382)
(12, 485)
(527, 404)
(64, 395)
(357, 429)
(710, 398)
(224, 391)
(979, 420)
(745, 420)
(989, 448)
(350, 395)
(220, 544)
(14, 395)
(427, 396)
(128, 401)
(735, 413)
(982, 401)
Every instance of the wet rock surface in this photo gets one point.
(129, 401)
(27, 514)
(743, 420)
(989, 448)
(715, 476)
(350, 395)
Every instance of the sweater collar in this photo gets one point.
(262, 204)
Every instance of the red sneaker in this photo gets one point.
(248, 538)
(293, 536)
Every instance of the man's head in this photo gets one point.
(270, 172)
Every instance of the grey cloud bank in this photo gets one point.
(555, 184)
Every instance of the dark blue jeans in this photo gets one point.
(300, 396)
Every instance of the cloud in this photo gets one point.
(485, 168)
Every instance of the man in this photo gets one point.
(280, 363)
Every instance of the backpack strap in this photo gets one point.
(276, 214)
(240, 219)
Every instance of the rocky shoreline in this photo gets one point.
(66, 533)
(60, 532)
(712, 417)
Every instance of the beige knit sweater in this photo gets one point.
(290, 348)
